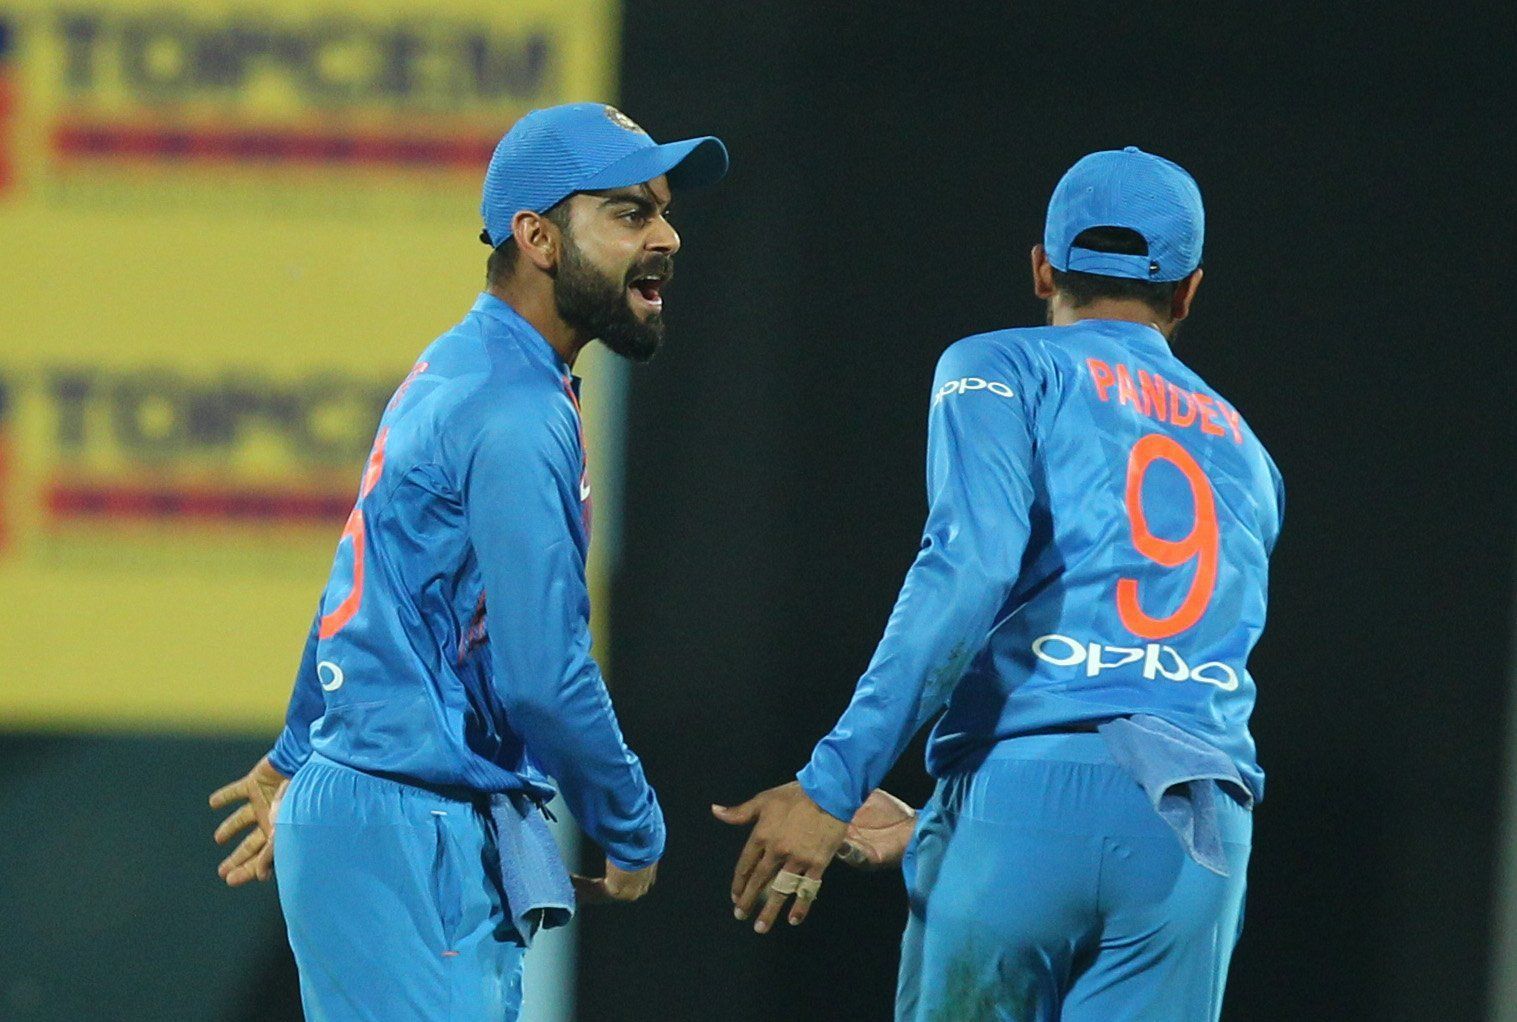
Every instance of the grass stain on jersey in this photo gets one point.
(970, 995)
(941, 681)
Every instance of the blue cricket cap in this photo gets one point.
(552, 153)
(1132, 189)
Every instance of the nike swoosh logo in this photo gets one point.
(584, 489)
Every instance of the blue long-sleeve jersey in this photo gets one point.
(452, 644)
(1097, 544)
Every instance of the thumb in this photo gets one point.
(855, 854)
(736, 815)
(589, 890)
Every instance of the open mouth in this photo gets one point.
(647, 290)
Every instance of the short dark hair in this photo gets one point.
(502, 261)
(1083, 288)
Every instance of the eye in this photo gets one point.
(635, 216)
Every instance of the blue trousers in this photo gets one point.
(392, 898)
(1043, 886)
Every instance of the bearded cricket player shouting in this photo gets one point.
(1091, 581)
(448, 677)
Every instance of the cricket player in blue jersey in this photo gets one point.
(447, 683)
(1091, 581)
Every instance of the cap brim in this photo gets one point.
(691, 163)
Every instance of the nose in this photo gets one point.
(664, 238)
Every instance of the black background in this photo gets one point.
(891, 166)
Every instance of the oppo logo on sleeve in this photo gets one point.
(970, 384)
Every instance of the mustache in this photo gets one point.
(661, 266)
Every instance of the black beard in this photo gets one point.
(592, 303)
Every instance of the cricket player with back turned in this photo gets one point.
(1091, 581)
(448, 676)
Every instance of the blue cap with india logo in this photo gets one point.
(1132, 189)
(552, 153)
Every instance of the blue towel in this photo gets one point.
(1183, 777)
(539, 894)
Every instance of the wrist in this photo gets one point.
(267, 769)
(630, 866)
(825, 800)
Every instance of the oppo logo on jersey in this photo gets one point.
(965, 384)
(1158, 661)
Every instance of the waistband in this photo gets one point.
(1063, 746)
(443, 793)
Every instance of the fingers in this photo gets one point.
(263, 862)
(239, 876)
(627, 892)
(605, 890)
(624, 890)
(258, 865)
(234, 792)
(737, 815)
(773, 902)
(241, 866)
(759, 878)
(589, 890)
(244, 851)
(802, 905)
(628, 884)
(747, 860)
(243, 818)
(253, 858)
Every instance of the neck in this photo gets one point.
(1061, 313)
(533, 302)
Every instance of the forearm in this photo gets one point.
(939, 624)
(523, 495)
(980, 495)
(573, 733)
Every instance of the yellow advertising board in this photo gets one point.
(226, 230)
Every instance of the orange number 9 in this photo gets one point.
(332, 623)
(1203, 544)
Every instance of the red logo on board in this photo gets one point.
(7, 103)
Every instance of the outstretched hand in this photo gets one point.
(260, 791)
(791, 834)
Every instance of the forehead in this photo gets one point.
(656, 191)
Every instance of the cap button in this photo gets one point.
(1131, 149)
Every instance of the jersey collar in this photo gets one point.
(1128, 328)
(531, 340)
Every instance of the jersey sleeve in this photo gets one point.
(980, 447)
(1279, 509)
(521, 497)
(293, 747)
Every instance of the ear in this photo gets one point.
(1185, 293)
(1042, 273)
(537, 239)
